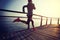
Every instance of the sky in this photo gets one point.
(49, 8)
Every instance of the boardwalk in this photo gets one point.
(41, 33)
(48, 32)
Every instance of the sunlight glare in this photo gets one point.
(49, 8)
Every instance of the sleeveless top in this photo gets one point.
(30, 8)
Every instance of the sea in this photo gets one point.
(7, 24)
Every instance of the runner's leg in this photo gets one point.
(32, 23)
(28, 22)
(19, 20)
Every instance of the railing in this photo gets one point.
(34, 15)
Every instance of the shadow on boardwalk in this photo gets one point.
(41, 33)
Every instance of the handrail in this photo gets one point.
(17, 16)
(23, 13)
(16, 12)
(33, 14)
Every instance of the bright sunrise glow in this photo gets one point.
(49, 8)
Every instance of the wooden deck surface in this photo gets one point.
(41, 33)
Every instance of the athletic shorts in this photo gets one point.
(29, 17)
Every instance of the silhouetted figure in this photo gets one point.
(30, 6)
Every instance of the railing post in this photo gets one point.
(50, 21)
(58, 21)
(46, 20)
(41, 21)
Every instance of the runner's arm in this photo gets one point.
(24, 8)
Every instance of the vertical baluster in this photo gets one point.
(50, 21)
(41, 21)
(58, 21)
(46, 20)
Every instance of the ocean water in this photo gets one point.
(7, 24)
